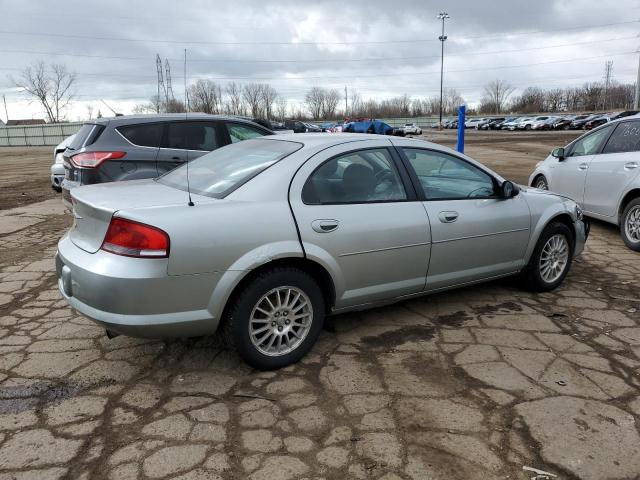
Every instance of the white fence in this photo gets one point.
(37, 135)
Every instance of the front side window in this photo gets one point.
(626, 138)
(445, 177)
(143, 134)
(239, 133)
(590, 144)
(362, 176)
(192, 136)
(220, 172)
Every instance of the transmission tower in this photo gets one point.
(168, 79)
(161, 87)
(608, 73)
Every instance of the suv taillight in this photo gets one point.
(134, 239)
(94, 159)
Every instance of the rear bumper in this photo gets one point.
(133, 296)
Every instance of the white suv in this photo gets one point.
(600, 171)
(411, 129)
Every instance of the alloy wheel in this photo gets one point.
(632, 224)
(541, 183)
(554, 258)
(280, 320)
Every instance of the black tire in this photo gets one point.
(540, 182)
(527, 127)
(235, 327)
(632, 206)
(531, 275)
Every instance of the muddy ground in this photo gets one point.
(470, 384)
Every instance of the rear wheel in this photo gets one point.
(275, 320)
(551, 259)
(630, 225)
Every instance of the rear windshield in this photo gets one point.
(87, 135)
(220, 172)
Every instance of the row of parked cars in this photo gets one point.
(540, 122)
(266, 236)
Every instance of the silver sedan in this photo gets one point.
(264, 238)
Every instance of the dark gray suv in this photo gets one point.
(147, 146)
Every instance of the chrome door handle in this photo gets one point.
(325, 226)
(630, 165)
(583, 166)
(448, 217)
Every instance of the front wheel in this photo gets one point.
(551, 259)
(276, 319)
(630, 225)
(541, 183)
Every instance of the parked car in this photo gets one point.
(312, 128)
(562, 123)
(57, 168)
(411, 129)
(511, 124)
(601, 120)
(578, 123)
(491, 124)
(528, 122)
(600, 170)
(289, 228)
(473, 122)
(146, 146)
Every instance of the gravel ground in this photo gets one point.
(469, 384)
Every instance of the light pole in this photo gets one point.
(443, 38)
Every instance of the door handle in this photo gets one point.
(630, 165)
(325, 226)
(448, 217)
(176, 158)
(583, 166)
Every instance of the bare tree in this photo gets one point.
(90, 112)
(496, 93)
(330, 102)
(51, 86)
(235, 103)
(205, 96)
(252, 95)
(268, 96)
(314, 99)
(281, 108)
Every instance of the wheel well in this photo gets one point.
(635, 193)
(535, 179)
(566, 219)
(317, 271)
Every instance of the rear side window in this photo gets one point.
(86, 136)
(192, 136)
(238, 132)
(143, 135)
(626, 138)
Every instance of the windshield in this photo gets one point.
(220, 172)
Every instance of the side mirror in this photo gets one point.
(508, 189)
(558, 153)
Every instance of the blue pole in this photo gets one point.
(461, 115)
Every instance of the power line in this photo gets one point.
(372, 59)
(371, 42)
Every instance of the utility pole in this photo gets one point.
(6, 112)
(346, 101)
(443, 38)
(608, 72)
(636, 101)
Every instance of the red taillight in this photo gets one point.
(133, 239)
(94, 159)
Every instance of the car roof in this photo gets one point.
(160, 117)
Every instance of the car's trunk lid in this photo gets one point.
(94, 205)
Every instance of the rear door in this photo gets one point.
(475, 234)
(570, 173)
(186, 140)
(358, 215)
(613, 169)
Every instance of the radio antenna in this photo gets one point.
(186, 109)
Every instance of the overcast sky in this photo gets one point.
(379, 48)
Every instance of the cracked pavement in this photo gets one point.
(472, 383)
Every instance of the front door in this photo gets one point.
(570, 173)
(612, 170)
(358, 215)
(475, 234)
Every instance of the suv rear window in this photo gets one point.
(87, 135)
(220, 172)
(192, 135)
(143, 134)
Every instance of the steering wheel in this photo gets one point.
(479, 189)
